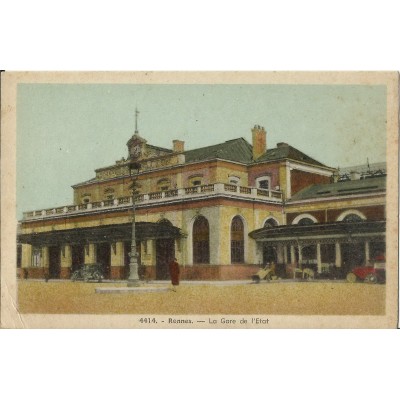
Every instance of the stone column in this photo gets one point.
(90, 253)
(285, 255)
(45, 261)
(151, 259)
(280, 255)
(319, 264)
(45, 257)
(338, 255)
(367, 254)
(292, 255)
(117, 260)
(300, 256)
(66, 261)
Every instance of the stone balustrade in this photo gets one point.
(213, 189)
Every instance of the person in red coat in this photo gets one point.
(174, 273)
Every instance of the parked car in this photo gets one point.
(88, 272)
(374, 273)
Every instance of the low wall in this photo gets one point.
(148, 273)
(218, 272)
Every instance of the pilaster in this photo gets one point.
(66, 261)
(26, 258)
(90, 253)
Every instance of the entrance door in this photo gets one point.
(269, 255)
(78, 256)
(353, 254)
(103, 256)
(165, 252)
(54, 262)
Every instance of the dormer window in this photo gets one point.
(234, 180)
(163, 185)
(263, 182)
(196, 180)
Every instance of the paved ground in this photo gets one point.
(231, 297)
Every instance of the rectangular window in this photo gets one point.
(264, 184)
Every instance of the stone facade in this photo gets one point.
(232, 188)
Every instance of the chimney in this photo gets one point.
(178, 146)
(282, 144)
(259, 141)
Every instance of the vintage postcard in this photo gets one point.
(199, 200)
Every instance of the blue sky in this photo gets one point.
(66, 131)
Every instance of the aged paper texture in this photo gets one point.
(199, 200)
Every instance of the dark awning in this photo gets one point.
(108, 233)
(334, 230)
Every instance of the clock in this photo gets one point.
(136, 150)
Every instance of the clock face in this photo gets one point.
(136, 150)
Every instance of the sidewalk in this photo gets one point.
(197, 283)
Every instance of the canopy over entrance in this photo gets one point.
(112, 233)
(336, 232)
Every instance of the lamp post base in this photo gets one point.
(133, 283)
(133, 279)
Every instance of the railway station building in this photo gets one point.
(221, 210)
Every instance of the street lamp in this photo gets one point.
(133, 279)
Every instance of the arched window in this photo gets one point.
(352, 218)
(237, 240)
(270, 223)
(201, 241)
(163, 184)
(305, 221)
(195, 180)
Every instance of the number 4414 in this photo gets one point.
(147, 320)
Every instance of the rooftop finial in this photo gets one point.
(136, 120)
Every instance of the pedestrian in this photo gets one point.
(174, 273)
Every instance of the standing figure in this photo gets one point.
(174, 273)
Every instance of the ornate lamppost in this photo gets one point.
(133, 279)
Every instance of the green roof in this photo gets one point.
(233, 150)
(360, 186)
(283, 150)
(241, 151)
